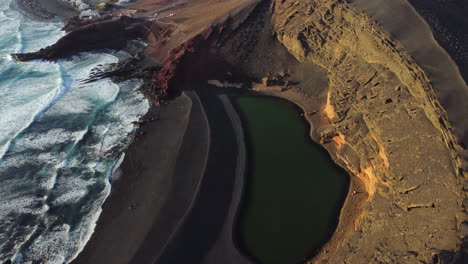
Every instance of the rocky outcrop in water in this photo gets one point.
(109, 34)
(131, 68)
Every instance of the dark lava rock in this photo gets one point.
(109, 34)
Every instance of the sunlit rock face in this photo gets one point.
(391, 132)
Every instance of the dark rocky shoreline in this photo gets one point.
(112, 33)
(104, 33)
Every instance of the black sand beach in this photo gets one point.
(216, 204)
(188, 176)
(225, 247)
(175, 206)
(449, 23)
(152, 194)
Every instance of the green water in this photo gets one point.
(293, 189)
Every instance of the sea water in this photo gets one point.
(59, 141)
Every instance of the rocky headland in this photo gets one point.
(369, 102)
(112, 33)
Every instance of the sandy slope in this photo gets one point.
(402, 21)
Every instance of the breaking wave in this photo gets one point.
(60, 140)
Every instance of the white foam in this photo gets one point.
(126, 110)
(77, 4)
(20, 107)
(48, 139)
(9, 22)
(14, 161)
(118, 163)
(103, 112)
(51, 244)
(116, 172)
(21, 99)
(17, 114)
(82, 97)
(16, 204)
(81, 136)
(89, 226)
(71, 189)
(37, 35)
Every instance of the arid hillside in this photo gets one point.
(389, 129)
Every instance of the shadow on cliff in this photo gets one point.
(451, 257)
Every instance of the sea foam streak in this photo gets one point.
(59, 142)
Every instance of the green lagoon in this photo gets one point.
(293, 192)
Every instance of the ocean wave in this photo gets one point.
(10, 22)
(49, 245)
(47, 101)
(89, 225)
(20, 39)
(15, 121)
(37, 35)
(61, 143)
(62, 242)
(55, 136)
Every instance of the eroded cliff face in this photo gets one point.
(389, 131)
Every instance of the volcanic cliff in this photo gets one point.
(372, 107)
(380, 119)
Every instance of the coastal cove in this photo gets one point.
(233, 132)
(293, 190)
